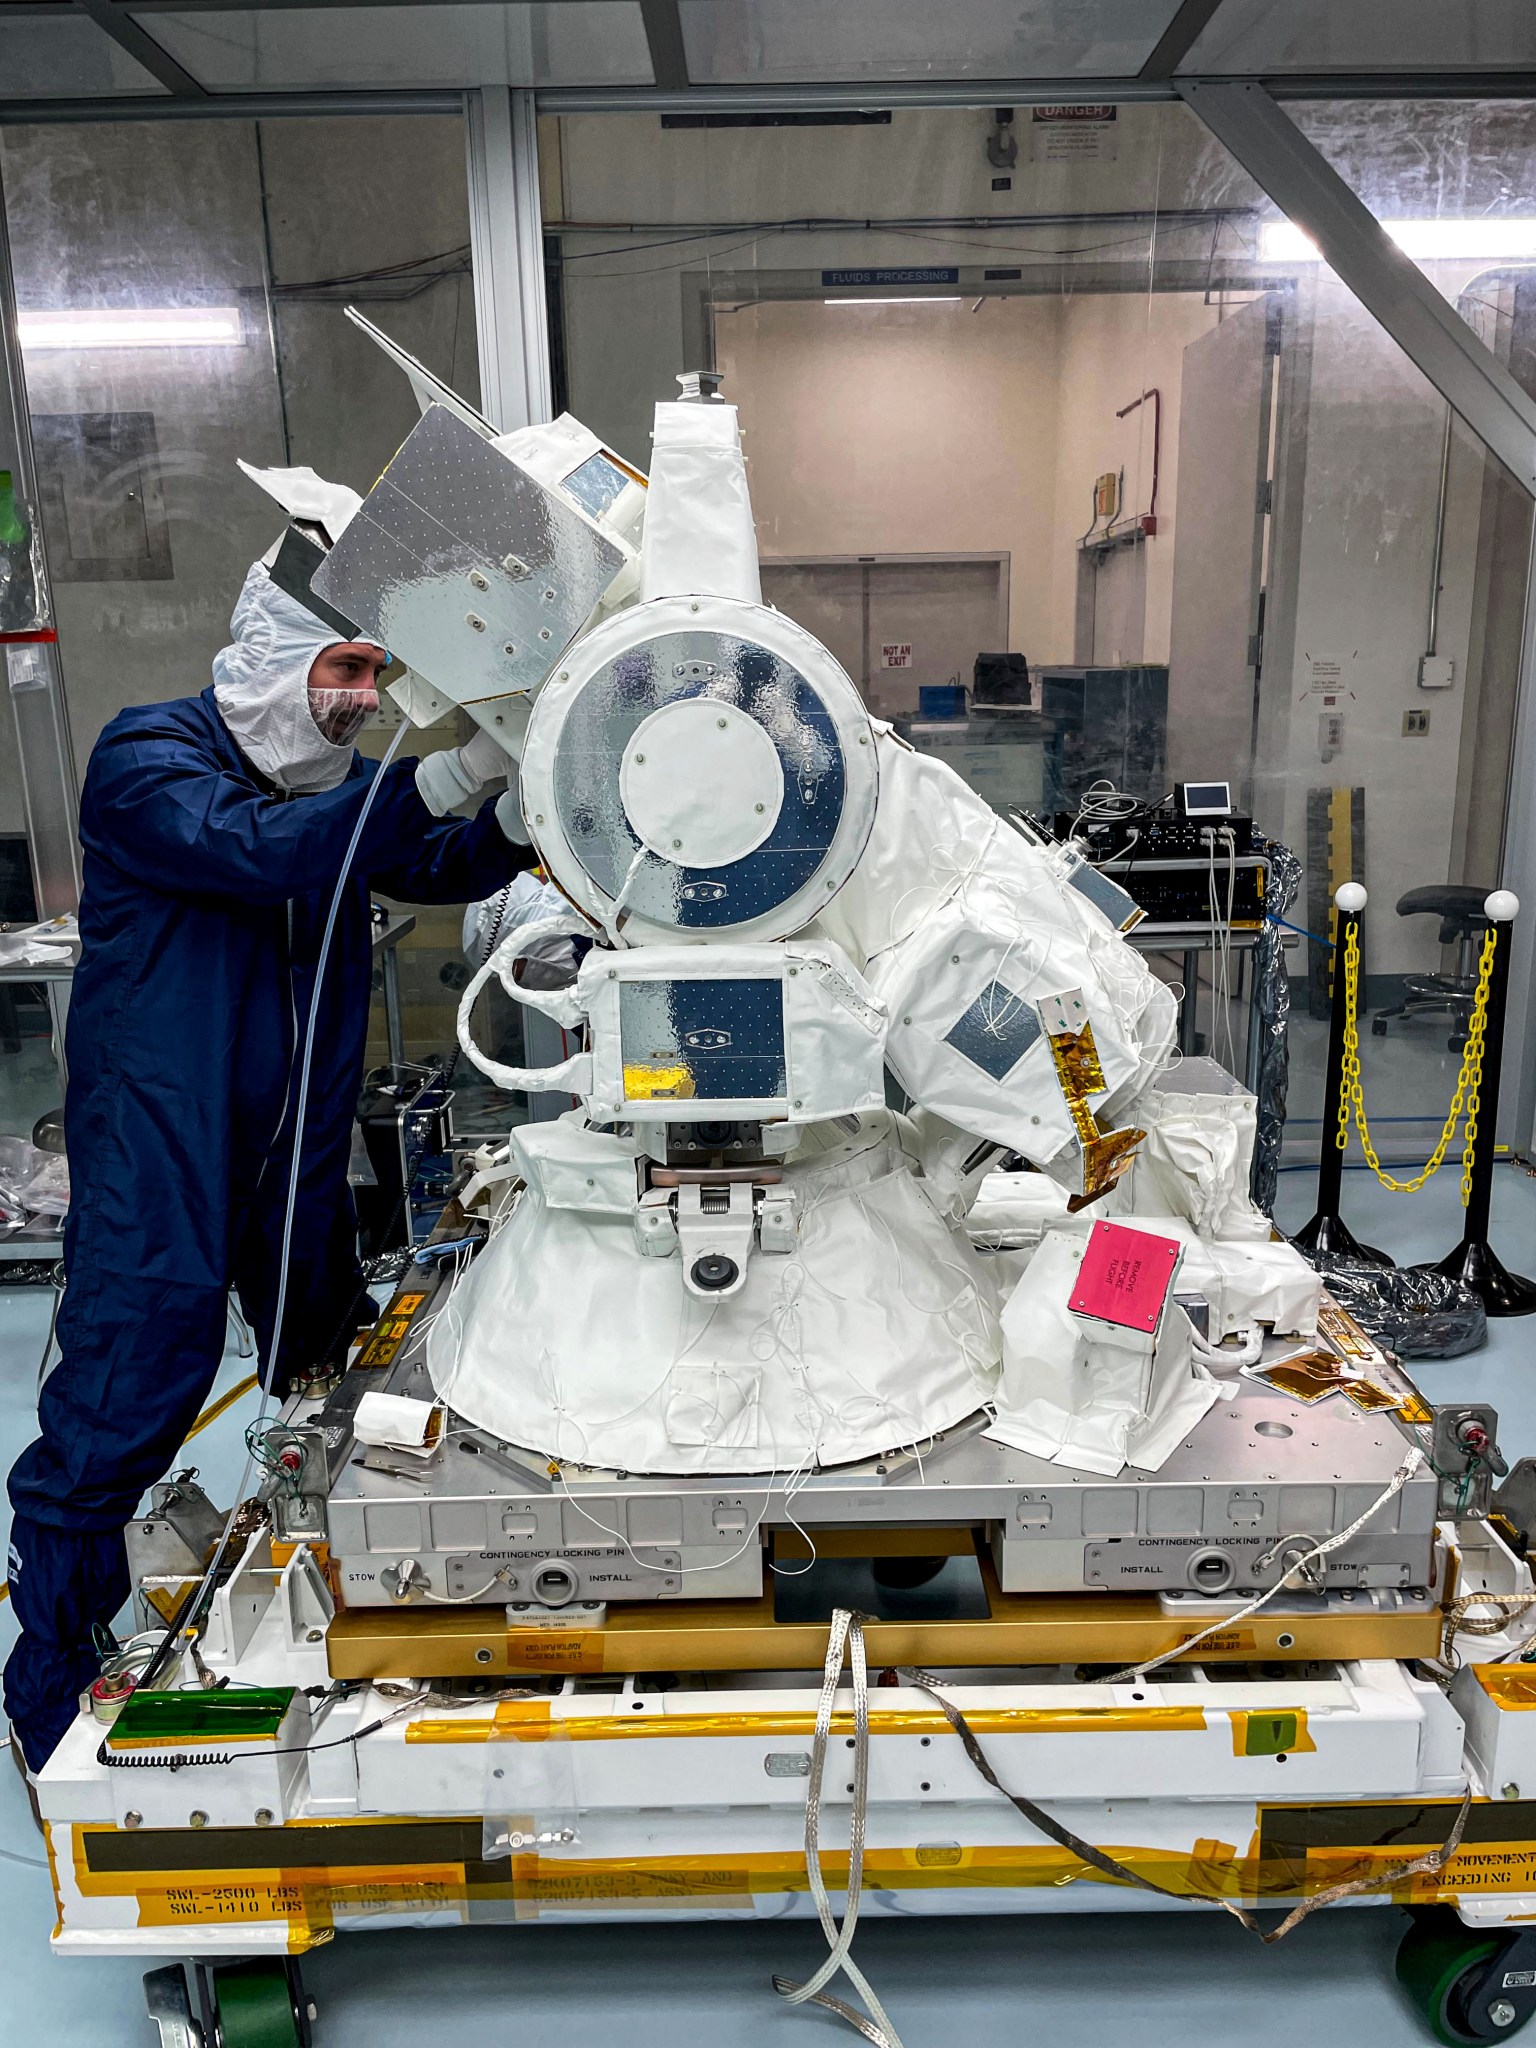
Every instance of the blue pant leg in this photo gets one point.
(327, 1296)
(138, 1359)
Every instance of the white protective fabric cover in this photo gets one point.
(1015, 1209)
(261, 686)
(1197, 1161)
(963, 925)
(1084, 1395)
(699, 538)
(304, 494)
(834, 1026)
(877, 1330)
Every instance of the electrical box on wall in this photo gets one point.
(1436, 672)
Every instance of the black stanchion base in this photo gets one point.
(1479, 1267)
(1325, 1237)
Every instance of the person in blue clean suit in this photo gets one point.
(214, 831)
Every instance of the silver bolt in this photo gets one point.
(639, 760)
(263, 1816)
(863, 739)
(565, 675)
(677, 842)
(508, 648)
(315, 1635)
(906, 1020)
(721, 723)
(1510, 1791)
(797, 1102)
(693, 607)
(544, 633)
(499, 719)
(132, 1819)
(478, 580)
(197, 1818)
(482, 1656)
(1502, 2013)
(538, 818)
(756, 807)
(954, 959)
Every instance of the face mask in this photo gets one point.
(341, 715)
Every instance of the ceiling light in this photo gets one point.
(1487, 238)
(920, 301)
(88, 327)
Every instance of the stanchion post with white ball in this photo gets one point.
(1474, 1261)
(1327, 1236)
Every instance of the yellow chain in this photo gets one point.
(1468, 1081)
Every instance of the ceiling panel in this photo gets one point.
(797, 41)
(1365, 35)
(65, 59)
(601, 42)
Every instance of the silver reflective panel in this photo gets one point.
(465, 566)
(597, 728)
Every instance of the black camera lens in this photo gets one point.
(715, 1135)
(714, 1271)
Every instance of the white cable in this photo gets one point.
(1399, 1480)
(265, 1407)
(846, 1632)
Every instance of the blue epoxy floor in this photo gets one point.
(1075, 1981)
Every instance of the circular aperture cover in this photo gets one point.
(702, 768)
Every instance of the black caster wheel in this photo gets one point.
(258, 2004)
(1442, 1965)
(1378, 1027)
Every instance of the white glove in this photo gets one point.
(446, 780)
(509, 816)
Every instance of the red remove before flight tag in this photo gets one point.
(1125, 1276)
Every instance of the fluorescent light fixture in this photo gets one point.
(1489, 238)
(88, 327)
(921, 301)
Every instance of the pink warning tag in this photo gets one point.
(1125, 1276)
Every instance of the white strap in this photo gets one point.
(874, 2024)
(562, 1004)
(570, 1077)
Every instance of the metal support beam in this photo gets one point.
(149, 55)
(227, 106)
(664, 35)
(1178, 38)
(1390, 285)
(1517, 871)
(507, 248)
(30, 666)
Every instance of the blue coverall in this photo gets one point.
(204, 902)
